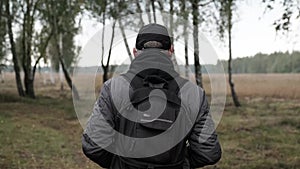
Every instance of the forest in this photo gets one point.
(278, 62)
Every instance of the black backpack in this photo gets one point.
(142, 84)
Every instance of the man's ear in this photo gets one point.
(171, 50)
(134, 51)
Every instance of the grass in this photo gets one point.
(44, 133)
(256, 136)
(280, 86)
(40, 133)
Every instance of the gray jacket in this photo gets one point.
(203, 147)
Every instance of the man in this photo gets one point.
(119, 132)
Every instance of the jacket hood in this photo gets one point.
(153, 62)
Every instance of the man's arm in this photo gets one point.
(204, 148)
(99, 132)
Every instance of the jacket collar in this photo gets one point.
(153, 62)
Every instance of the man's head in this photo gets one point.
(153, 36)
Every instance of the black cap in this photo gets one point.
(153, 32)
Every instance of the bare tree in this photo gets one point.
(63, 66)
(195, 14)
(233, 93)
(106, 10)
(13, 48)
(25, 15)
(184, 16)
(61, 25)
(226, 22)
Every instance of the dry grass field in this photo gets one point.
(45, 133)
(280, 86)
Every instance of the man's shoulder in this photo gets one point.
(188, 86)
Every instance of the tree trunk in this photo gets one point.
(164, 17)
(171, 31)
(125, 39)
(65, 71)
(153, 9)
(13, 51)
(186, 54)
(198, 74)
(26, 49)
(105, 73)
(231, 84)
(185, 36)
(1, 7)
(2, 66)
(29, 85)
(42, 54)
(147, 6)
(171, 17)
(2, 76)
(106, 67)
(69, 80)
(60, 57)
(139, 11)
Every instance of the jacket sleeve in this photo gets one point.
(99, 133)
(204, 148)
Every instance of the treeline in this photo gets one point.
(278, 62)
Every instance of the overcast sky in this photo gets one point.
(253, 32)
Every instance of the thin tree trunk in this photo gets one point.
(52, 79)
(30, 24)
(61, 74)
(60, 57)
(102, 38)
(164, 16)
(66, 73)
(139, 11)
(106, 67)
(231, 84)
(125, 39)
(153, 9)
(147, 6)
(69, 80)
(172, 34)
(171, 17)
(105, 76)
(13, 51)
(24, 52)
(198, 74)
(2, 76)
(2, 66)
(26, 49)
(186, 53)
(1, 7)
(42, 54)
(185, 36)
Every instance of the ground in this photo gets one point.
(44, 133)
